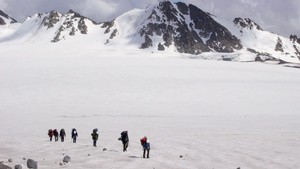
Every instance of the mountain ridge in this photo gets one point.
(166, 26)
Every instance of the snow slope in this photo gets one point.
(214, 114)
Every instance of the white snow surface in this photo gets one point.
(214, 114)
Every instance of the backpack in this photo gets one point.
(74, 133)
(124, 134)
(95, 134)
(143, 141)
(50, 132)
(62, 132)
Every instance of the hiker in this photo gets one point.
(95, 136)
(74, 135)
(146, 146)
(55, 134)
(125, 140)
(50, 134)
(62, 135)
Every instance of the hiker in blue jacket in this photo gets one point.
(146, 146)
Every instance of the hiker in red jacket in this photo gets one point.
(50, 134)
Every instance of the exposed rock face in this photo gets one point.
(82, 26)
(219, 38)
(147, 43)
(187, 27)
(51, 20)
(279, 46)
(160, 47)
(247, 23)
(108, 26)
(2, 22)
(71, 22)
(295, 39)
(261, 56)
(297, 51)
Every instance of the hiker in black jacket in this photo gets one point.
(55, 134)
(95, 136)
(74, 135)
(62, 135)
(125, 140)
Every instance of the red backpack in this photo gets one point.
(50, 133)
(143, 141)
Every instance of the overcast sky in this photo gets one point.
(278, 16)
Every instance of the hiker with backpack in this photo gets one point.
(95, 136)
(146, 146)
(125, 140)
(74, 135)
(55, 134)
(62, 134)
(50, 134)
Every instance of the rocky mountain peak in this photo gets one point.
(65, 24)
(2, 22)
(52, 19)
(295, 39)
(246, 23)
(188, 28)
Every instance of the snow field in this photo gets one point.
(215, 114)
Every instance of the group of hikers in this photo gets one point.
(95, 135)
(62, 134)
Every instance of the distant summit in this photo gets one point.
(187, 27)
(4, 16)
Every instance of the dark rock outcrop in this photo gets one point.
(2, 22)
(295, 39)
(32, 164)
(147, 43)
(160, 47)
(247, 23)
(261, 56)
(51, 20)
(279, 46)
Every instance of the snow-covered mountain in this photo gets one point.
(5, 19)
(166, 26)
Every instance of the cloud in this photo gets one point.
(3, 4)
(278, 16)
